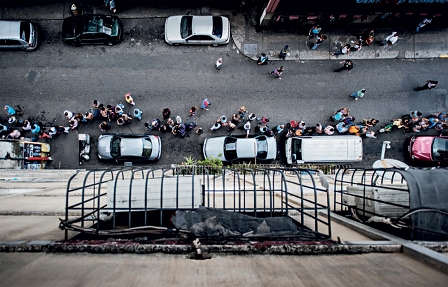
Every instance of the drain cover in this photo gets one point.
(251, 49)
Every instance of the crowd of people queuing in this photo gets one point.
(341, 122)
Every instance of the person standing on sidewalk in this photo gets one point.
(358, 94)
(284, 52)
(314, 31)
(278, 72)
(320, 40)
(389, 40)
(345, 50)
(430, 84)
(423, 23)
(263, 59)
(111, 4)
(347, 65)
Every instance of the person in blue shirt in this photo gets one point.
(138, 114)
(9, 110)
(35, 129)
(263, 59)
(432, 122)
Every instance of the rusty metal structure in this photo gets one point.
(136, 201)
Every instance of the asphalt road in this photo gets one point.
(57, 77)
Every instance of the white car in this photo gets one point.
(240, 148)
(18, 35)
(124, 147)
(197, 30)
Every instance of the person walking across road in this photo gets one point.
(218, 64)
(430, 84)
(347, 65)
(319, 40)
(278, 72)
(129, 99)
(205, 104)
(358, 94)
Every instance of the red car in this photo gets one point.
(429, 149)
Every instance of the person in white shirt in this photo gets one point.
(219, 64)
(390, 40)
(345, 50)
(247, 129)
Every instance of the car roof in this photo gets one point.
(245, 148)
(131, 146)
(202, 25)
(9, 29)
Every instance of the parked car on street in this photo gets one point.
(239, 148)
(18, 35)
(133, 148)
(429, 149)
(197, 30)
(92, 29)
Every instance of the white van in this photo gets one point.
(308, 149)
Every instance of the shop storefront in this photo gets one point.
(333, 15)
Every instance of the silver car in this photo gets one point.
(239, 148)
(123, 147)
(18, 35)
(197, 30)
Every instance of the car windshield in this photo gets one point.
(296, 149)
(262, 147)
(230, 148)
(147, 147)
(217, 26)
(186, 26)
(115, 149)
(440, 149)
(25, 31)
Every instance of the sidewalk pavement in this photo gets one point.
(426, 44)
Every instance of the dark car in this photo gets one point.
(92, 29)
(124, 147)
(429, 149)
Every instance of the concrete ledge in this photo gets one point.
(248, 248)
(427, 256)
(365, 230)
